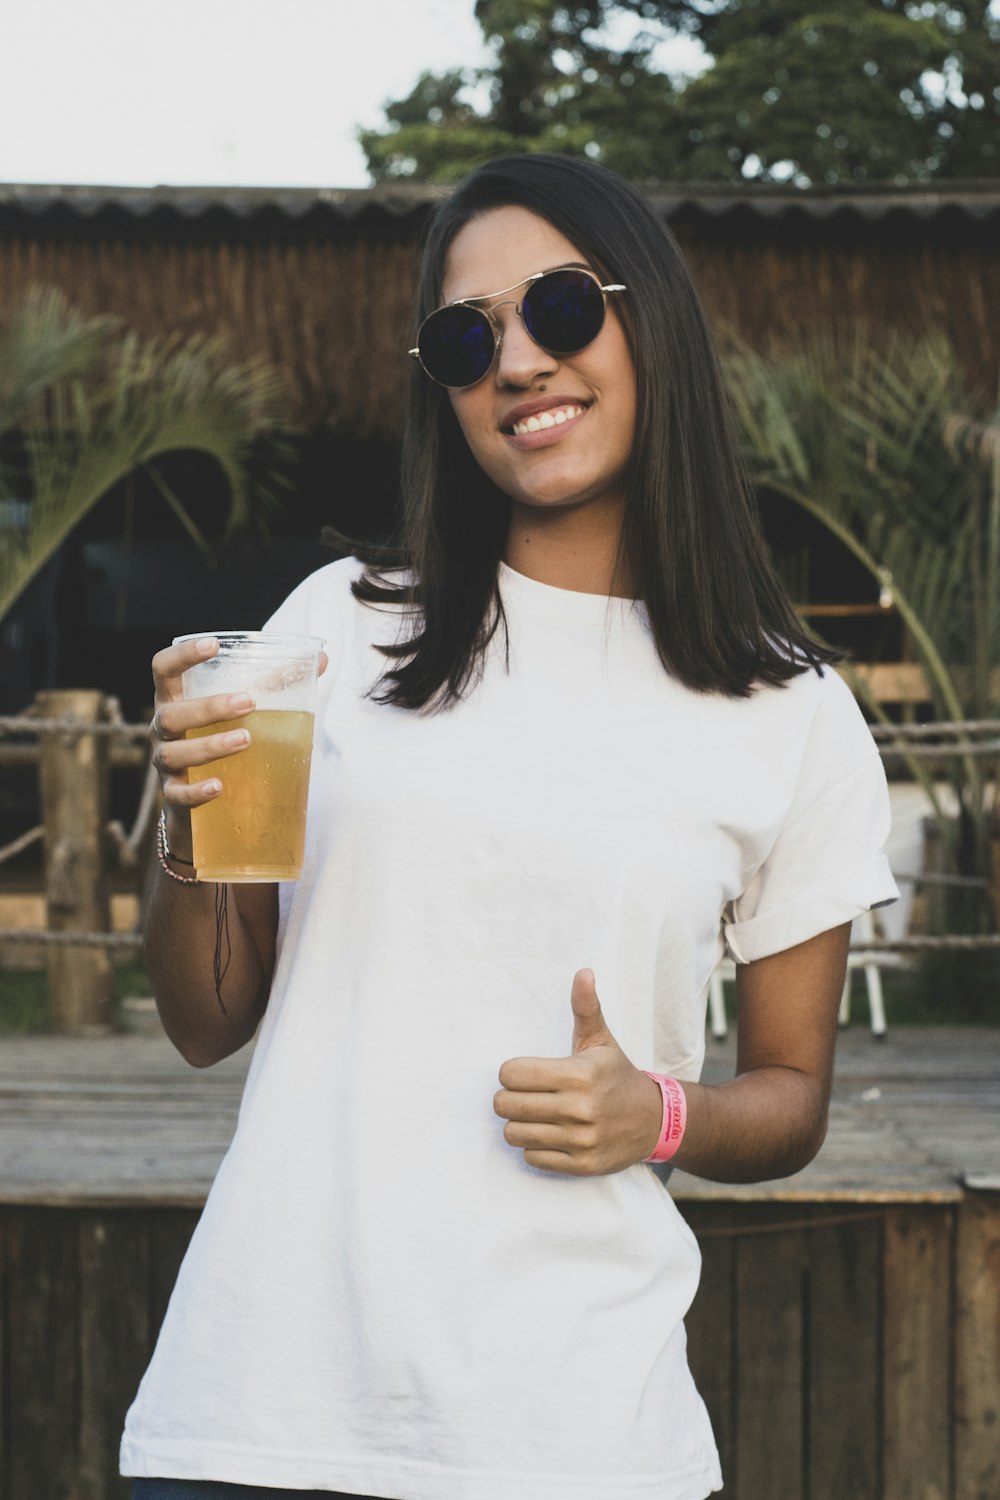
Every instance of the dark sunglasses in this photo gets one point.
(563, 311)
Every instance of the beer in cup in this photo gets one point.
(255, 829)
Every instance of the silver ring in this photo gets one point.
(156, 726)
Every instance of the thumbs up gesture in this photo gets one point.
(587, 1114)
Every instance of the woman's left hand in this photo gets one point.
(587, 1114)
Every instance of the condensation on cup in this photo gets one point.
(255, 829)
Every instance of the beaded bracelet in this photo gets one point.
(163, 854)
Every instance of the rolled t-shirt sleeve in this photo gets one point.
(825, 865)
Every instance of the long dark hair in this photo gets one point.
(718, 613)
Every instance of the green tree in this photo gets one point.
(808, 90)
(554, 85)
(84, 404)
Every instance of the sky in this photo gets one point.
(242, 93)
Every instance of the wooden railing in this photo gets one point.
(73, 737)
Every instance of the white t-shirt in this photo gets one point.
(380, 1296)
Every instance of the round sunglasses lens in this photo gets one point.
(456, 345)
(563, 311)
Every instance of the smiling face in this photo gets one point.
(551, 431)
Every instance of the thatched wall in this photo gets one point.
(330, 300)
(776, 292)
(335, 317)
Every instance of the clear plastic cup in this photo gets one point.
(255, 829)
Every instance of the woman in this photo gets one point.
(580, 739)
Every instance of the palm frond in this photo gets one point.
(44, 340)
(883, 442)
(83, 433)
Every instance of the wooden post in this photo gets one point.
(977, 1347)
(73, 777)
(917, 1281)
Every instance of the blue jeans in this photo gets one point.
(210, 1489)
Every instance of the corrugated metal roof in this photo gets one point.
(974, 200)
(37, 200)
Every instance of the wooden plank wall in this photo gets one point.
(841, 1350)
(858, 1358)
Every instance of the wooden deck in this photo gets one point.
(846, 1336)
(124, 1120)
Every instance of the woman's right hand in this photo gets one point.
(173, 754)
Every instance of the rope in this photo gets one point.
(127, 846)
(926, 731)
(147, 811)
(908, 732)
(118, 838)
(952, 941)
(25, 724)
(116, 728)
(988, 747)
(958, 882)
(24, 842)
(71, 939)
(28, 723)
(737, 1231)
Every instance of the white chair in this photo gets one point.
(863, 929)
(724, 969)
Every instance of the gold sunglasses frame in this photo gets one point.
(487, 312)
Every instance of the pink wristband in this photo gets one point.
(675, 1112)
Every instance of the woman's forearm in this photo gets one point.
(763, 1124)
(595, 1111)
(770, 1120)
(179, 930)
